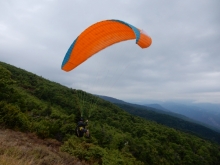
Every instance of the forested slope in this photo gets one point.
(31, 103)
(169, 119)
(173, 122)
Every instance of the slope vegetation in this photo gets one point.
(32, 104)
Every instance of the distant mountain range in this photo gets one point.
(187, 113)
(208, 114)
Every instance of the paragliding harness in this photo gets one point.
(80, 128)
(79, 131)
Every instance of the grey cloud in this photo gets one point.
(183, 61)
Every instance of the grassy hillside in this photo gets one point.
(32, 104)
(19, 148)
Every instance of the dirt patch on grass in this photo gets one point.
(17, 148)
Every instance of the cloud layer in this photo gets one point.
(183, 62)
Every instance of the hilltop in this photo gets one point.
(32, 104)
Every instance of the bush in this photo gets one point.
(12, 117)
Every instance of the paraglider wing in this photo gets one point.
(99, 36)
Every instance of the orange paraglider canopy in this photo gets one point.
(99, 36)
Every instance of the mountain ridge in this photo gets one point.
(160, 111)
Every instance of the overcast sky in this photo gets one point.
(183, 62)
